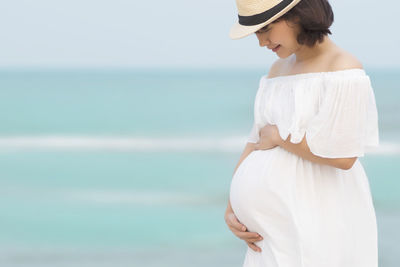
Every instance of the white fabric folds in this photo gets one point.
(336, 111)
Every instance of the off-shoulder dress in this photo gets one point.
(309, 214)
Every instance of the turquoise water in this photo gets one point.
(133, 167)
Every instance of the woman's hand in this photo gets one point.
(240, 230)
(269, 137)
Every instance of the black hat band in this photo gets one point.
(262, 17)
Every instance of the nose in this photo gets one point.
(262, 41)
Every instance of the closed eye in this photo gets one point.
(262, 31)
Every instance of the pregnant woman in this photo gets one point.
(299, 196)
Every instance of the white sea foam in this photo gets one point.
(143, 197)
(114, 196)
(122, 143)
(115, 143)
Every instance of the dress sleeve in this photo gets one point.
(346, 124)
(254, 136)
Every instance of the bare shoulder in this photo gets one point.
(276, 67)
(345, 60)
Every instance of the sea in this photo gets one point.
(132, 167)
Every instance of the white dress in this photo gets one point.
(309, 214)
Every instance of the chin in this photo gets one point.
(283, 55)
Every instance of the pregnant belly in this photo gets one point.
(263, 198)
(262, 188)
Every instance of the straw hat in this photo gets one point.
(255, 14)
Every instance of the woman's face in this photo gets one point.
(279, 36)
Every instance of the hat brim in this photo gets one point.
(239, 31)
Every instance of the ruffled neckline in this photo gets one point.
(353, 71)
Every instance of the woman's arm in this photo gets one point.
(301, 149)
(237, 228)
(269, 137)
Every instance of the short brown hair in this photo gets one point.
(314, 18)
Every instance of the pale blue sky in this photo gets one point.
(178, 33)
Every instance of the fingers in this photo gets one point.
(233, 222)
(265, 145)
(247, 236)
(253, 247)
(240, 230)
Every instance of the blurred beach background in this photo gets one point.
(119, 134)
